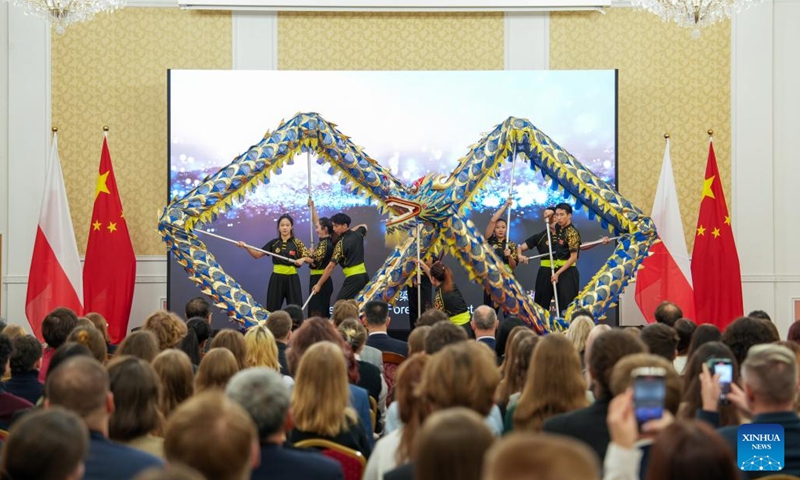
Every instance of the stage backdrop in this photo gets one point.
(413, 122)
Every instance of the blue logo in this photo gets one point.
(760, 447)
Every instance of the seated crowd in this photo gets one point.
(341, 399)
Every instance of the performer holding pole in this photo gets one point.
(349, 253)
(448, 297)
(284, 283)
(566, 247)
(544, 292)
(310, 201)
(319, 305)
(496, 235)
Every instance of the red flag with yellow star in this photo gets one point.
(109, 272)
(715, 262)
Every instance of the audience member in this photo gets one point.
(101, 325)
(692, 396)
(177, 379)
(193, 344)
(216, 368)
(280, 324)
(703, 334)
(198, 307)
(395, 447)
(377, 322)
(760, 314)
(369, 377)
(443, 334)
(451, 444)
(578, 333)
(265, 397)
(81, 385)
(661, 340)
(67, 351)
(320, 400)
(14, 331)
(527, 456)
(261, 349)
(794, 332)
(622, 378)
(142, 344)
(172, 472)
(213, 435)
(484, 324)
(232, 340)
(168, 328)
(503, 330)
(9, 404)
(342, 310)
(554, 385)
(26, 357)
(136, 419)
(668, 313)
(589, 424)
(509, 347)
(416, 339)
(769, 377)
(55, 330)
(94, 341)
(513, 382)
(685, 329)
(430, 317)
(85, 322)
(745, 332)
(296, 314)
(45, 445)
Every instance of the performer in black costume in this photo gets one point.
(543, 294)
(566, 247)
(496, 238)
(320, 304)
(447, 297)
(349, 253)
(284, 283)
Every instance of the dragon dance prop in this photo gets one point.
(431, 213)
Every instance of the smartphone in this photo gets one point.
(723, 367)
(649, 391)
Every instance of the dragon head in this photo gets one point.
(427, 201)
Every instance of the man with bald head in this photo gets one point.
(81, 384)
(484, 324)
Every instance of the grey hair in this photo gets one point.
(265, 396)
(485, 318)
(771, 371)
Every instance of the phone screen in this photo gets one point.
(648, 397)
(725, 371)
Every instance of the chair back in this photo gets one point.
(352, 461)
(391, 362)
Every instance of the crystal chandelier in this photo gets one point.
(695, 14)
(62, 13)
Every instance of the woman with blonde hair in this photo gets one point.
(262, 350)
(168, 328)
(321, 400)
(554, 385)
(578, 332)
(174, 370)
(342, 310)
(216, 368)
(233, 341)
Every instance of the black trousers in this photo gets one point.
(320, 304)
(352, 285)
(283, 287)
(427, 299)
(543, 294)
(568, 286)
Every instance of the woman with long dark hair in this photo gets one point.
(320, 304)
(284, 283)
(447, 296)
(496, 236)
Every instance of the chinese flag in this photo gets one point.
(715, 263)
(109, 271)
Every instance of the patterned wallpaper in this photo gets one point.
(386, 41)
(668, 82)
(113, 71)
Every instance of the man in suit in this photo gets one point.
(484, 324)
(589, 424)
(81, 384)
(280, 324)
(769, 377)
(265, 397)
(377, 321)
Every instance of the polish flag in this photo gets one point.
(55, 276)
(666, 274)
